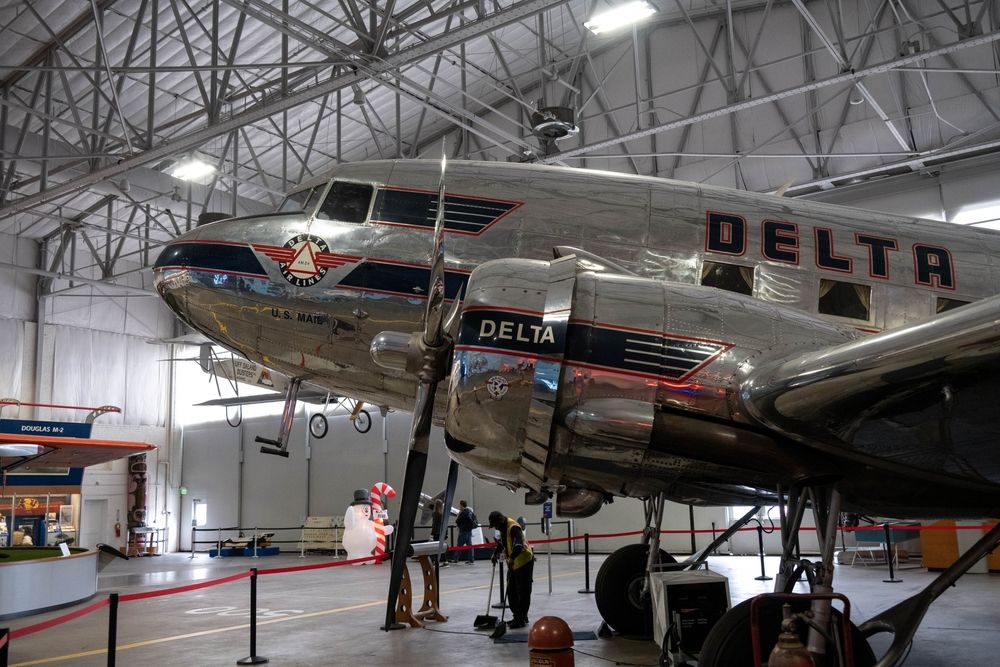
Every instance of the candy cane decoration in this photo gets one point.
(381, 530)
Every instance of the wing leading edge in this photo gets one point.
(64, 452)
(920, 396)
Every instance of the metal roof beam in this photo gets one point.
(838, 54)
(491, 22)
(719, 112)
(38, 57)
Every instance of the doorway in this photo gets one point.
(94, 523)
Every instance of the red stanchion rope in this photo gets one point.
(3, 640)
(58, 620)
(183, 589)
(320, 566)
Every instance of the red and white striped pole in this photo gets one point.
(377, 491)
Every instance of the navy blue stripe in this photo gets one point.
(401, 279)
(635, 351)
(638, 352)
(463, 214)
(214, 256)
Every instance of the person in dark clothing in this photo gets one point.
(466, 522)
(516, 551)
(437, 517)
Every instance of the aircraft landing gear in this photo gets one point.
(318, 425)
(619, 594)
(730, 640)
(622, 587)
(279, 447)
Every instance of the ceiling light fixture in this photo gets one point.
(622, 15)
(359, 96)
(856, 97)
(191, 168)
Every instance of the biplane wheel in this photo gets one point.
(618, 590)
(730, 642)
(363, 422)
(318, 425)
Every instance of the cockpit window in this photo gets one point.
(303, 200)
(346, 202)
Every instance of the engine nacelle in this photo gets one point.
(582, 381)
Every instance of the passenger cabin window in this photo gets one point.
(303, 200)
(730, 277)
(945, 304)
(346, 202)
(845, 299)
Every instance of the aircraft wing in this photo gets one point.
(913, 396)
(63, 452)
(314, 396)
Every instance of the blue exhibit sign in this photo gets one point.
(65, 477)
(27, 427)
(547, 509)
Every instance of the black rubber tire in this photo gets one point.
(363, 422)
(617, 589)
(318, 425)
(730, 644)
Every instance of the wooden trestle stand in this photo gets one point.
(431, 609)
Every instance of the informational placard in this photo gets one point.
(28, 427)
(64, 548)
(547, 509)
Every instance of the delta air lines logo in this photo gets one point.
(305, 259)
(302, 269)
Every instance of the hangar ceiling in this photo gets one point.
(98, 101)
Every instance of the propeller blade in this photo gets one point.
(449, 498)
(433, 333)
(434, 353)
(451, 319)
(413, 481)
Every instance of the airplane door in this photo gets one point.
(94, 522)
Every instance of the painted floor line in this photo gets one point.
(244, 626)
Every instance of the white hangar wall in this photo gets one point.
(93, 350)
(965, 193)
(223, 467)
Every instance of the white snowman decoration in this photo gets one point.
(359, 531)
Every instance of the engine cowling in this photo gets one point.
(602, 383)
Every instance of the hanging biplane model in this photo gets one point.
(602, 335)
(237, 372)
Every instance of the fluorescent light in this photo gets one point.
(192, 168)
(19, 450)
(622, 15)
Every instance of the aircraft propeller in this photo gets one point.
(433, 347)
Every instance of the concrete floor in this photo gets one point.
(331, 616)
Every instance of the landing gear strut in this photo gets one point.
(622, 587)
(279, 447)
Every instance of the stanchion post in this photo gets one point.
(218, 544)
(503, 596)
(888, 556)
(760, 551)
(192, 539)
(255, 541)
(112, 628)
(5, 648)
(302, 541)
(253, 658)
(586, 564)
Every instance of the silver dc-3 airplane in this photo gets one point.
(601, 335)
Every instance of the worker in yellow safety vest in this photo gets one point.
(520, 564)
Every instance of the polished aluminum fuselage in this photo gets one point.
(377, 275)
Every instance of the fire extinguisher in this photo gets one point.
(118, 524)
